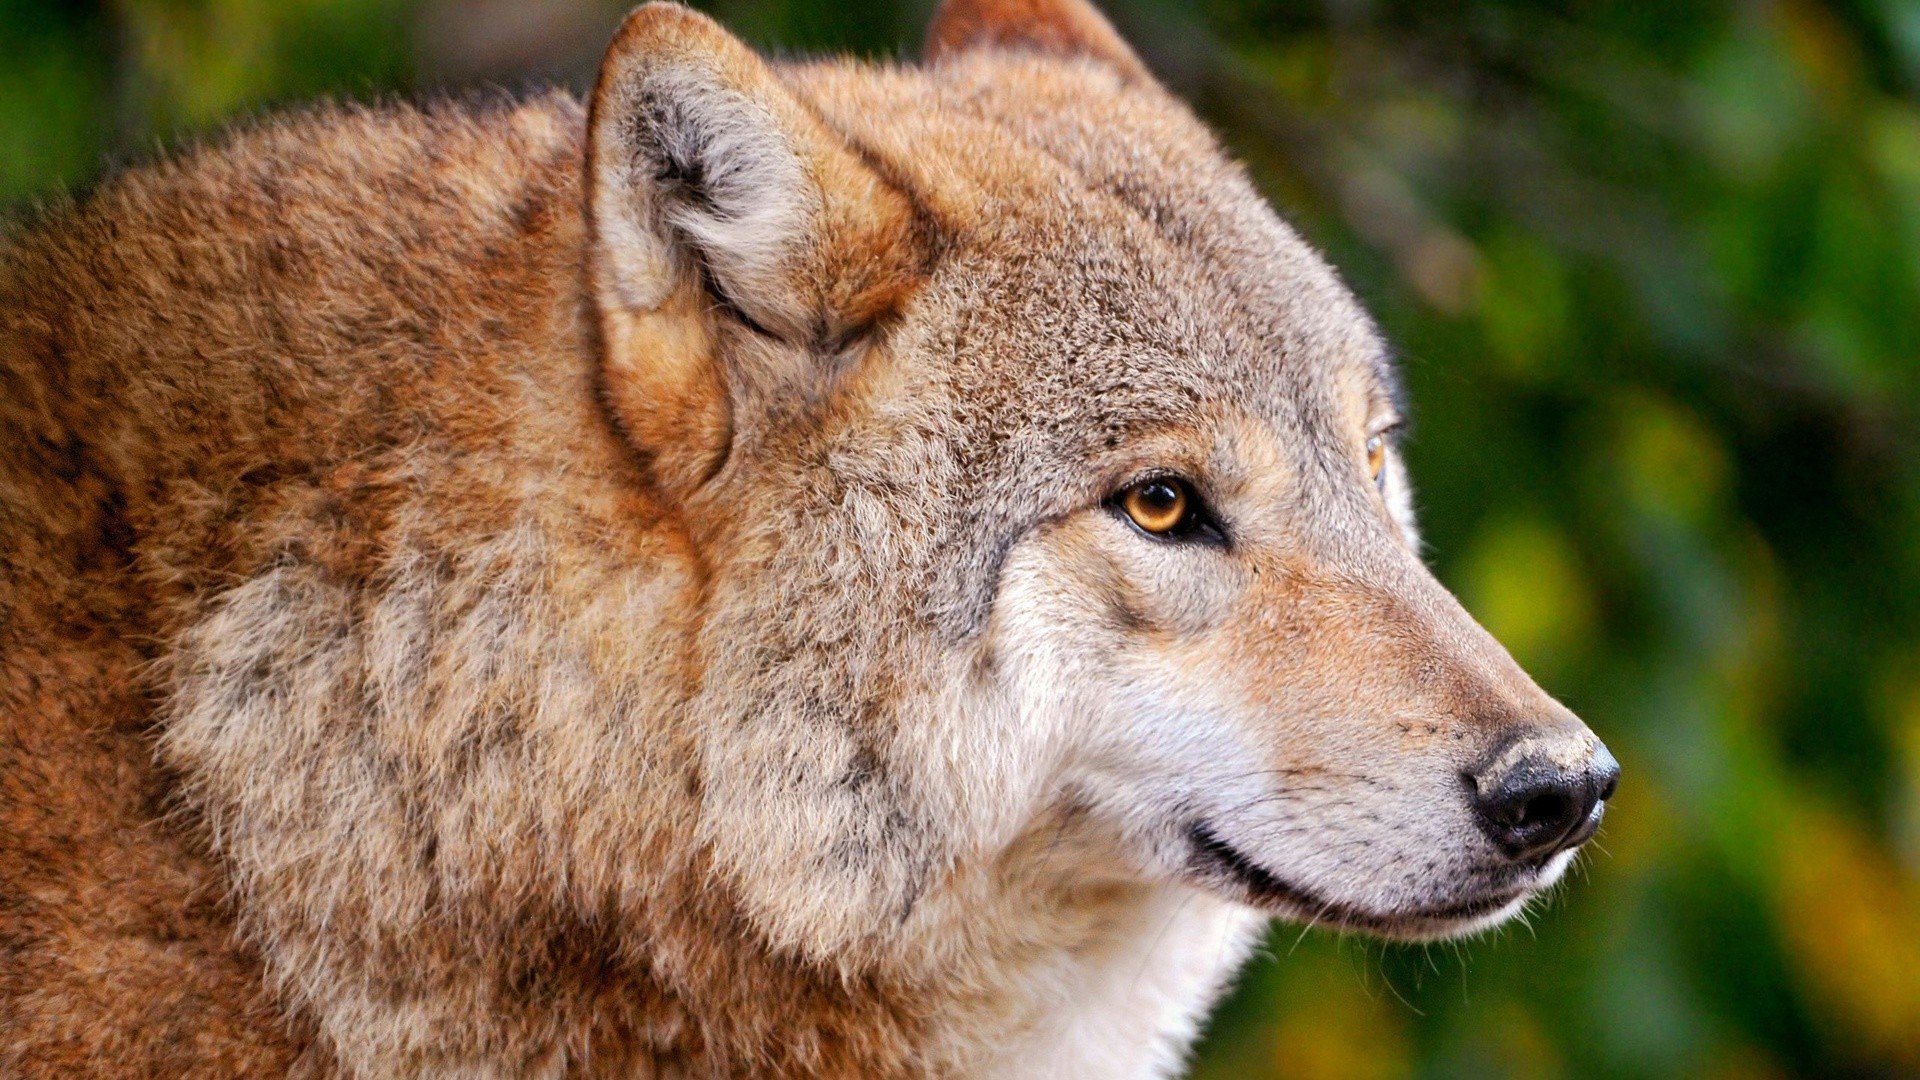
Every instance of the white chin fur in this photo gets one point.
(1491, 919)
(1550, 875)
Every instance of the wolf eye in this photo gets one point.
(1377, 460)
(1158, 506)
(1165, 507)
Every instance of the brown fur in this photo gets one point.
(462, 618)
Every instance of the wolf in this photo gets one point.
(812, 569)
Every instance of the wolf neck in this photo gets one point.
(1132, 1004)
(1094, 976)
(978, 916)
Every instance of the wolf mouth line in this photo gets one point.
(1269, 891)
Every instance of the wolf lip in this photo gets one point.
(1269, 891)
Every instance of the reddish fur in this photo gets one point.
(1069, 28)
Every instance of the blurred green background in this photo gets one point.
(1654, 270)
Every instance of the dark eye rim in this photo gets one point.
(1200, 525)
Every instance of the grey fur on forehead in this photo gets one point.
(1158, 239)
(1131, 279)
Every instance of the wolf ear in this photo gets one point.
(1058, 27)
(720, 209)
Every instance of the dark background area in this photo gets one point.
(1653, 270)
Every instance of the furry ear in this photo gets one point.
(1059, 27)
(716, 201)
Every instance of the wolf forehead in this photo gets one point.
(1095, 250)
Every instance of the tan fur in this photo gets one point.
(625, 589)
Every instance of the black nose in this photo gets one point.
(1533, 803)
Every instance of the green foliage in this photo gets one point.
(1654, 270)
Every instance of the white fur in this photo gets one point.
(1132, 1006)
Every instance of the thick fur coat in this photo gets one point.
(646, 587)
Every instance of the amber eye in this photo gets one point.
(1377, 460)
(1161, 506)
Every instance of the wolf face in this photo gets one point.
(1048, 476)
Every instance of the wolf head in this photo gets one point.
(1040, 473)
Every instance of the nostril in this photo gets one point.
(1544, 810)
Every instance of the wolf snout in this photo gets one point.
(1539, 795)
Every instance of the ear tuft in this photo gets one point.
(699, 158)
(1056, 27)
(688, 163)
(731, 186)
